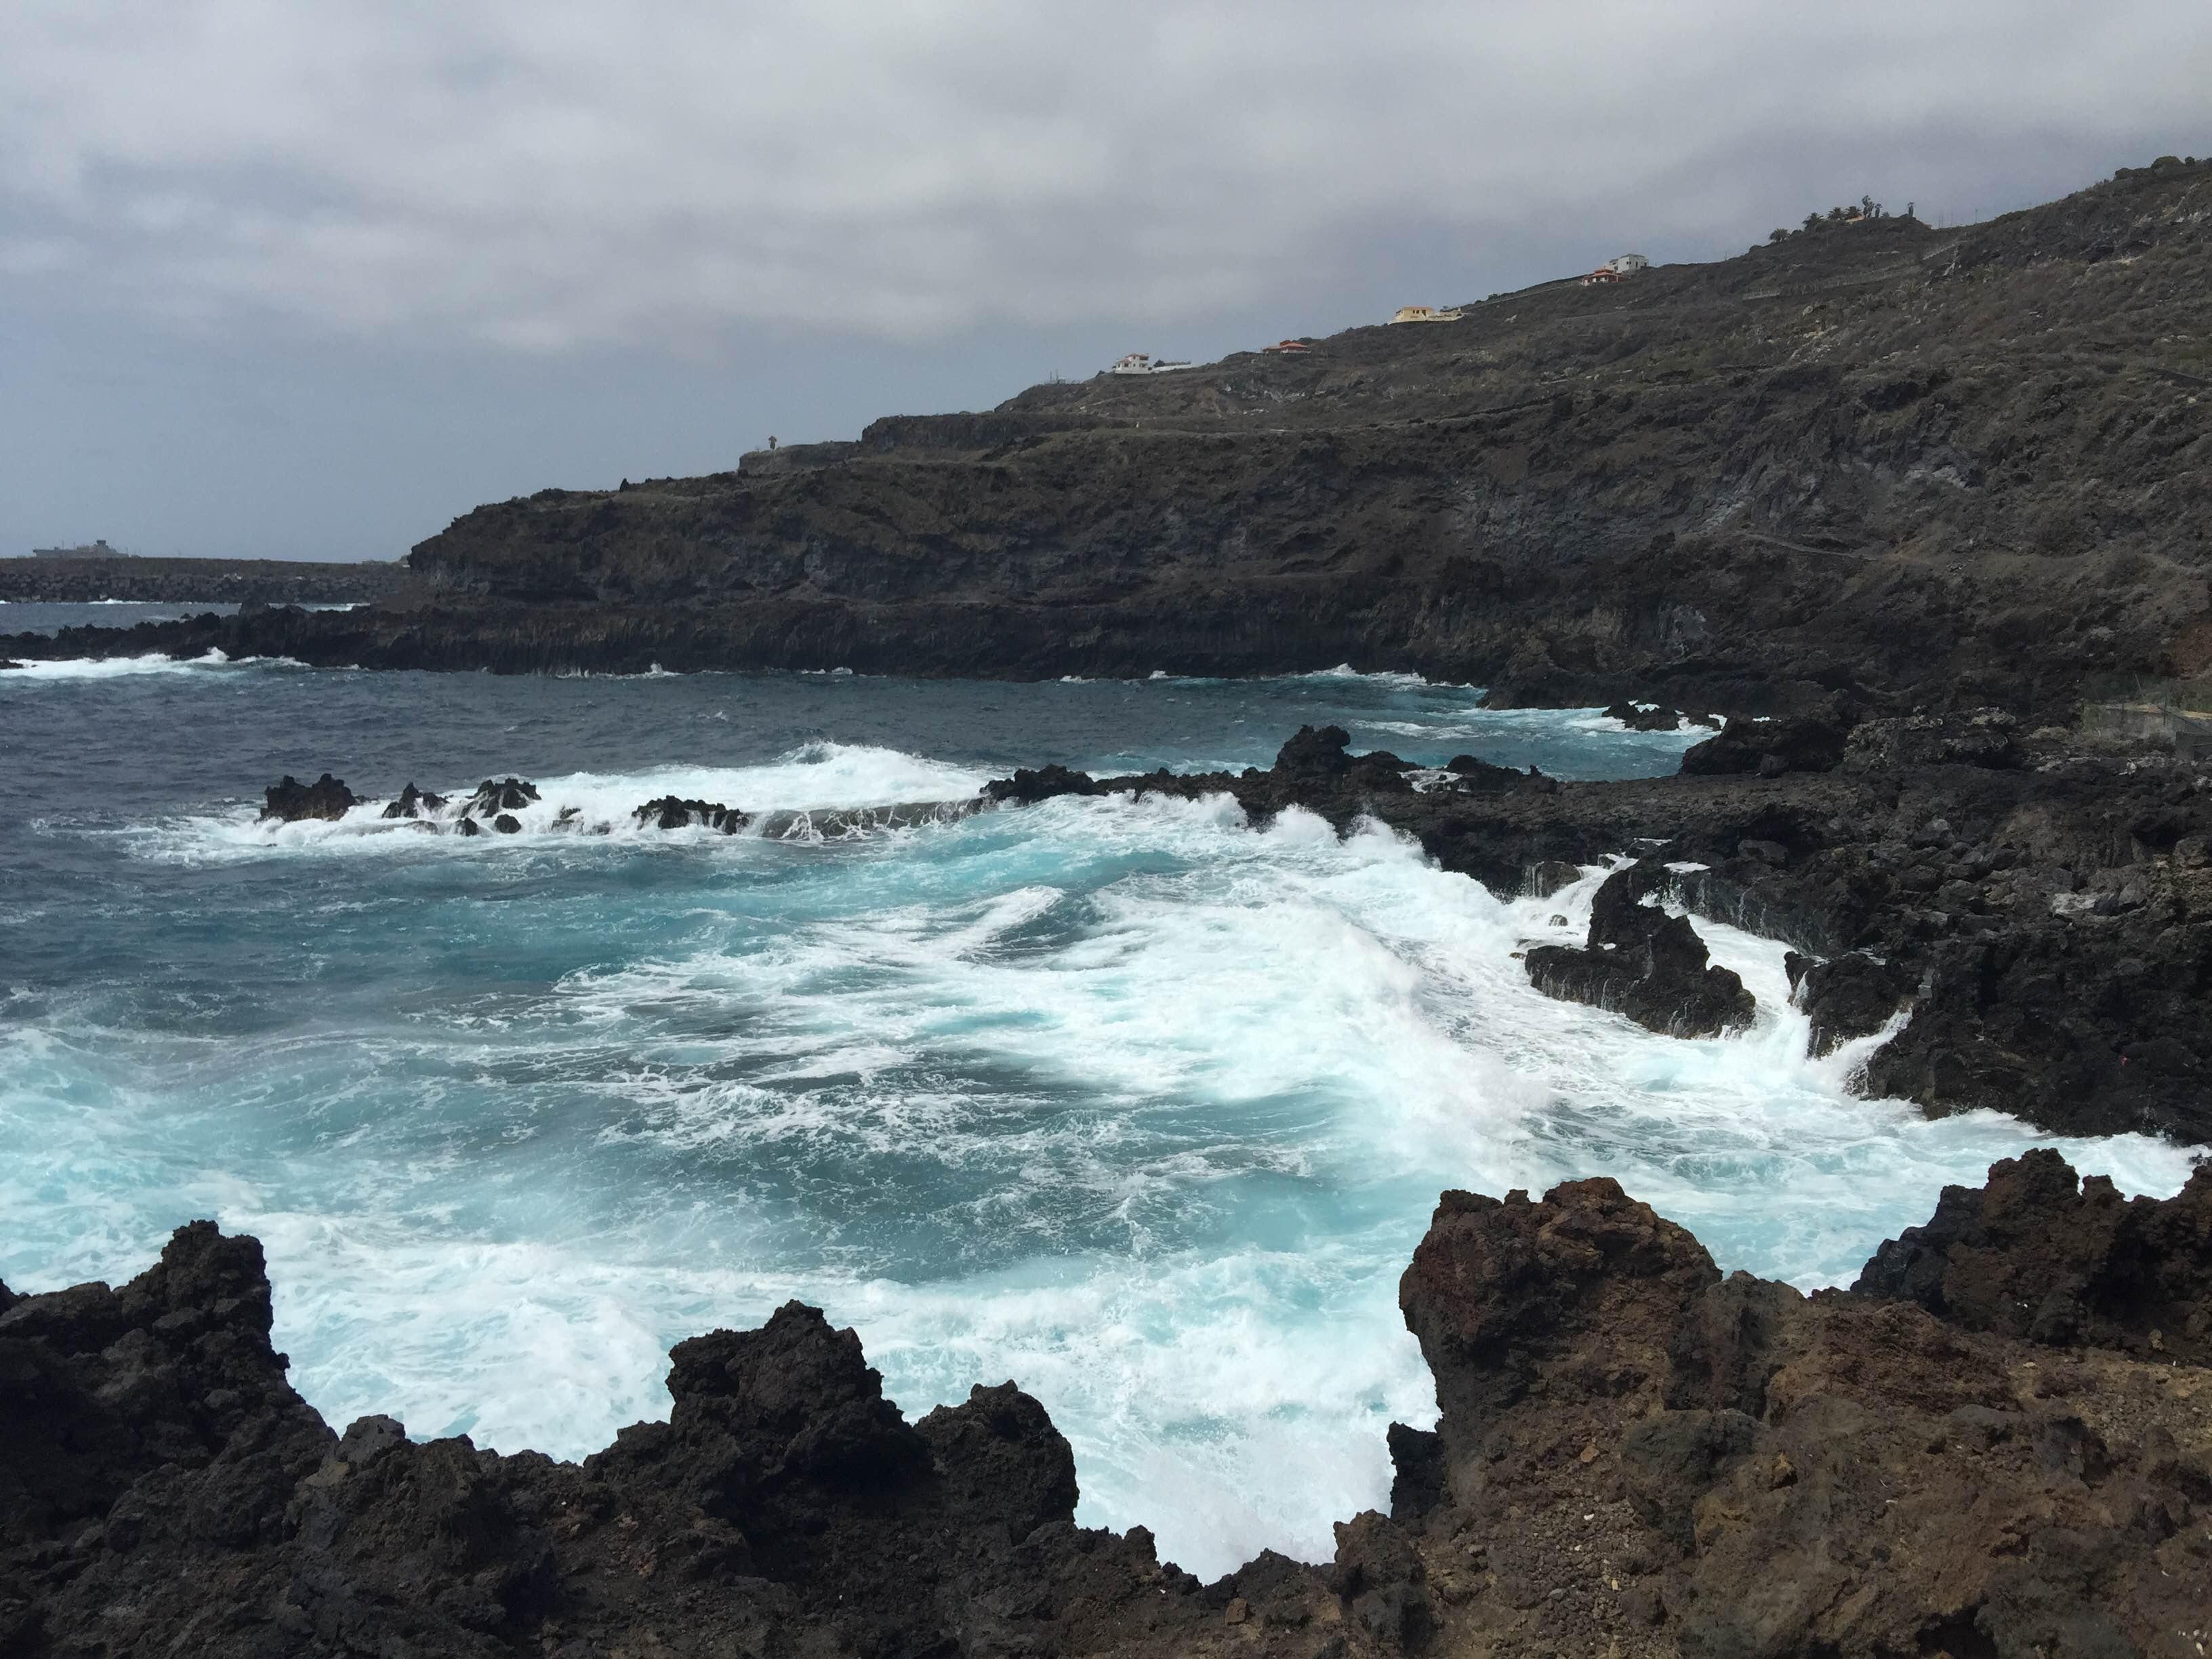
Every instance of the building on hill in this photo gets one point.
(1425, 315)
(99, 549)
(1620, 265)
(1287, 348)
(1143, 363)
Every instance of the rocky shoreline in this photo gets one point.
(1999, 1442)
(2030, 925)
(2043, 916)
(188, 582)
(1942, 469)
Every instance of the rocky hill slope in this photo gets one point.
(1635, 1456)
(1965, 464)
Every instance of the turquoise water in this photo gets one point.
(1129, 1101)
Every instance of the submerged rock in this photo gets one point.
(1644, 963)
(290, 801)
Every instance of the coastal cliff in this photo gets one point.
(1953, 467)
(1634, 1455)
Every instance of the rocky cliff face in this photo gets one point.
(1634, 1455)
(1937, 465)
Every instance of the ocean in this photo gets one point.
(1129, 1102)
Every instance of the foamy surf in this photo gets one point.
(1125, 1100)
(819, 792)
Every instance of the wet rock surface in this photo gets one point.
(1853, 995)
(671, 812)
(1641, 962)
(1634, 1455)
(290, 801)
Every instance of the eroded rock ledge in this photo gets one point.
(1635, 1455)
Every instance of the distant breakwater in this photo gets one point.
(170, 581)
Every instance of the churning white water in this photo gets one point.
(1128, 1101)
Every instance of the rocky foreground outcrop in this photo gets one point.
(1635, 1455)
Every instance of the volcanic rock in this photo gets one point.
(672, 813)
(290, 801)
(1851, 996)
(1631, 1449)
(414, 803)
(1985, 738)
(1027, 787)
(510, 796)
(1644, 963)
(1637, 718)
(1768, 748)
(2039, 1255)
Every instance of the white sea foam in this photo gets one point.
(108, 668)
(584, 808)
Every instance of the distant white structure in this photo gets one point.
(1425, 315)
(1620, 265)
(1143, 363)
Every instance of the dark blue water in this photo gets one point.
(1126, 1101)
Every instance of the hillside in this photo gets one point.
(1950, 465)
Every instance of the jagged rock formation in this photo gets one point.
(1955, 468)
(1641, 962)
(1634, 1456)
(2036, 1255)
(290, 800)
(1854, 995)
(672, 813)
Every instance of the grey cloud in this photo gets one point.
(551, 174)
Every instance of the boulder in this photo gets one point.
(290, 801)
(1638, 719)
(1985, 738)
(1315, 752)
(1849, 996)
(414, 803)
(1477, 776)
(1643, 963)
(510, 796)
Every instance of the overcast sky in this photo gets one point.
(308, 279)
